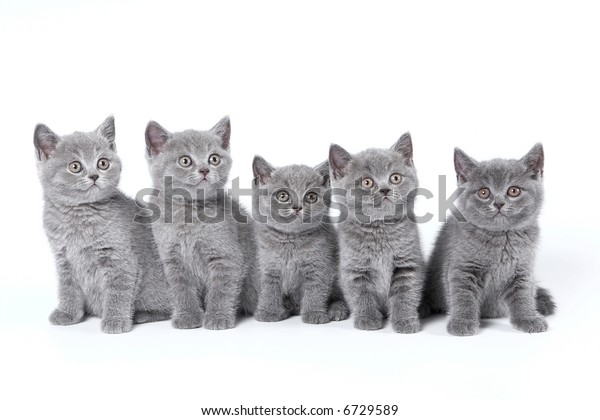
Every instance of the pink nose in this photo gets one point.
(204, 172)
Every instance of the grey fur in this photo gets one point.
(298, 254)
(382, 267)
(484, 268)
(107, 264)
(209, 265)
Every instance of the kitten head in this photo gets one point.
(501, 194)
(376, 182)
(291, 197)
(197, 161)
(78, 168)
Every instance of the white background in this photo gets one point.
(295, 77)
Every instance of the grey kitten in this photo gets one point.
(298, 252)
(107, 265)
(382, 268)
(208, 252)
(483, 268)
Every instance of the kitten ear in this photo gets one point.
(338, 160)
(107, 131)
(223, 130)
(404, 147)
(45, 141)
(156, 138)
(323, 170)
(464, 165)
(262, 170)
(534, 159)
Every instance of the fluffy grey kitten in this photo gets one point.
(107, 265)
(207, 247)
(382, 268)
(483, 267)
(298, 251)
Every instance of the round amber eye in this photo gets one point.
(103, 164)
(367, 183)
(395, 178)
(282, 196)
(75, 167)
(484, 193)
(185, 161)
(214, 159)
(311, 197)
(514, 191)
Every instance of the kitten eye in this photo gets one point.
(311, 197)
(214, 159)
(514, 191)
(484, 193)
(185, 161)
(103, 164)
(395, 178)
(367, 183)
(75, 167)
(282, 196)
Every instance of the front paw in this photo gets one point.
(219, 322)
(338, 311)
(530, 325)
(409, 325)
(187, 321)
(368, 323)
(271, 316)
(315, 317)
(58, 317)
(116, 325)
(463, 327)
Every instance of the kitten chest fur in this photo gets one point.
(83, 234)
(292, 251)
(198, 240)
(500, 255)
(378, 247)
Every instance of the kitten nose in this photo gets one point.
(204, 171)
(384, 191)
(499, 205)
(94, 177)
(297, 208)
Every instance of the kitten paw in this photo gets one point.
(219, 322)
(365, 323)
(531, 325)
(187, 321)
(315, 317)
(268, 316)
(338, 311)
(406, 325)
(116, 325)
(462, 327)
(58, 317)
